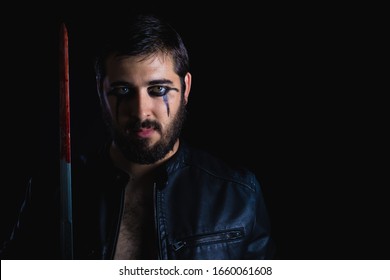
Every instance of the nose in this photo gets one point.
(141, 105)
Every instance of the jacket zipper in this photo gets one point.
(223, 236)
(159, 253)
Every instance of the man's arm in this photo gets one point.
(261, 245)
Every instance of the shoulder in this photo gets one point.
(207, 165)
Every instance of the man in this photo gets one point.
(147, 194)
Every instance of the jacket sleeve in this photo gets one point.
(261, 245)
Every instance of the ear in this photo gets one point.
(187, 81)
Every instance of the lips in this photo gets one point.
(144, 132)
(144, 129)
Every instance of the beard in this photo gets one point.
(139, 150)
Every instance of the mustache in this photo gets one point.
(138, 125)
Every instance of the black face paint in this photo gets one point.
(163, 91)
(155, 91)
(120, 93)
(165, 98)
(119, 99)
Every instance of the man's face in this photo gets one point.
(145, 105)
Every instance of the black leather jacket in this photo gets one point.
(203, 209)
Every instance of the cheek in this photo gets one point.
(171, 104)
(110, 104)
(115, 112)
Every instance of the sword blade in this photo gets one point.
(65, 159)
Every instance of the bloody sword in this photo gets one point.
(65, 163)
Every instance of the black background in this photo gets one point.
(284, 90)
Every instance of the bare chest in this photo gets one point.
(136, 239)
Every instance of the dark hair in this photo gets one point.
(144, 34)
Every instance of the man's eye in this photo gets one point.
(158, 90)
(120, 91)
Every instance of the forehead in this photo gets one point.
(154, 63)
(140, 71)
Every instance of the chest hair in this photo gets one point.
(136, 239)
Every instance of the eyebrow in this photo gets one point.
(161, 81)
(150, 83)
